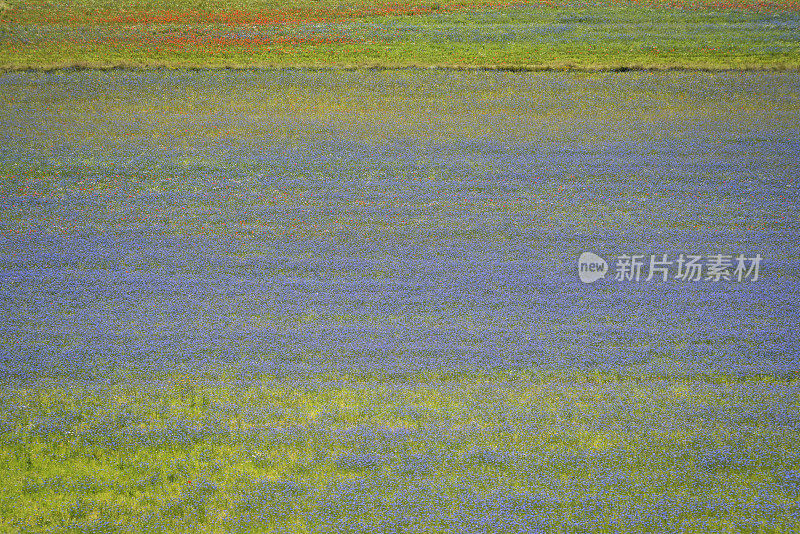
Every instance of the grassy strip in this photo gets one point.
(599, 37)
(403, 55)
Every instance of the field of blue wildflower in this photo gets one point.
(298, 301)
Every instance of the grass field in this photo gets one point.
(478, 452)
(489, 34)
(299, 301)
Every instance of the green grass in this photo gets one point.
(183, 453)
(303, 34)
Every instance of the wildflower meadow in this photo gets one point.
(502, 34)
(556, 293)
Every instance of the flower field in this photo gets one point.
(530, 35)
(347, 301)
